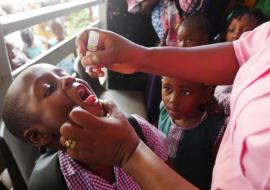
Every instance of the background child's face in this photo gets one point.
(188, 36)
(182, 99)
(10, 52)
(28, 38)
(58, 30)
(240, 25)
(49, 94)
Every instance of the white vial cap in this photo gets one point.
(92, 41)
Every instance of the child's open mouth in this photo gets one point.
(85, 94)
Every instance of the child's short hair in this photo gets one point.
(251, 12)
(198, 21)
(15, 116)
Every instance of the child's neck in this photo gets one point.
(189, 122)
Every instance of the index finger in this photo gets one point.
(81, 42)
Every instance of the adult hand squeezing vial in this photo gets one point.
(92, 45)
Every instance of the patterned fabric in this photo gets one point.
(192, 151)
(186, 5)
(175, 135)
(156, 20)
(223, 94)
(170, 19)
(78, 178)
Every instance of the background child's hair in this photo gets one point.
(251, 12)
(198, 21)
(211, 105)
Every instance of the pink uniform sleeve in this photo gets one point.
(251, 137)
(253, 145)
(251, 42)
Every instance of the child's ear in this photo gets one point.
(37, 137)
(207, 93)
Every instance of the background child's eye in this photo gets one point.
(231, 30)
(167, 89)
(186, 92)
(49, 89)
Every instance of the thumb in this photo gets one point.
(111, 109)
(84, 118)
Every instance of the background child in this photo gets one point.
(15, 55)
(60, 34)
(195, 132)
(192, 31)
(238, 22)
(33, 45)
(39, 101)
(242, 20)
(188, 116)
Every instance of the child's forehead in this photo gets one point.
(33, 73)
(179, 81)
(41, 69)
(191, 29)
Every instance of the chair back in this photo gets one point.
(10, 176)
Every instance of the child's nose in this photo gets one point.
(237, 34)
(173, 98)
(67, 81)
(181, 43)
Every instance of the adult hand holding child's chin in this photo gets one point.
(106, 140)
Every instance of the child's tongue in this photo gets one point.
(90, 99)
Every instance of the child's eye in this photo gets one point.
(230, 30)
(246, 29)
(167, 89)
(49, 89)
(185, 92)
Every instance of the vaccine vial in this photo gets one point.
(92, 45)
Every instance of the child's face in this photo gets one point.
(240, 25)
(182, 99)
(10, 51)
(48, 94)
(57, 30)
(188, 36)
(28, 38)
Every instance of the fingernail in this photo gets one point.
(96, 70)
(87, 68)
(94, 59)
